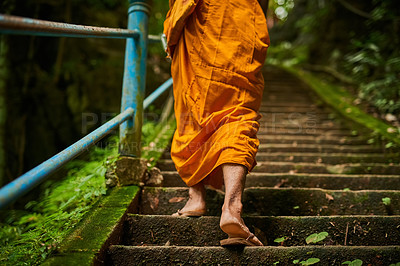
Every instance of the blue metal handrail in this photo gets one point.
(28, 26)
(130, 119)
(150, 99)
(32, 178)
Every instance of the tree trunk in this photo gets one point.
(3, 107)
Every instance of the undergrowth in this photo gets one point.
(28, 236)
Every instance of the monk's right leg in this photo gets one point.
(231, 221)
(196, 204)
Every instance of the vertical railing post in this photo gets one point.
(134, 81)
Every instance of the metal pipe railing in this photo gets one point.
(133, 90)
(17, 188)
(155, 94)
(19, 25)
(134, 82)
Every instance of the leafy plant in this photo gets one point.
(317, 237)
(355, 262)
(280, 239)
(386, 201)
(30, 235)
(310, 261)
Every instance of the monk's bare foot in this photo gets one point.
(231, 221)
(196, 204)
(233, 225)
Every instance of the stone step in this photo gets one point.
(324, 148)
(312, 168)
(325, 181)
(293, 109)
(279, 102)
(279, 201)
(301, 131)
(297, 119)
(158, 230)
(317, 157)
(298, 127)
(319, 168)
(283, 97)
(354, 140)
(328, 255)
(327, 157)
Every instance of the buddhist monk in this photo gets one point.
(217, 48)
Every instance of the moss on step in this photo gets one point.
(100, 228)
(340, 99)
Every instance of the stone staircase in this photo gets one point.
(316, 173)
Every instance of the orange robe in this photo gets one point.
(218, 48)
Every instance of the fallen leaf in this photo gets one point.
(176, 199)
(328, 197)
(281, 183)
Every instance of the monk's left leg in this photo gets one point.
(196, 204)
(231, 221)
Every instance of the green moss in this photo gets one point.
(361, 197)
(85, 243)
(82, 259)
(340, 99)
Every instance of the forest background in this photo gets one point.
(55, 90)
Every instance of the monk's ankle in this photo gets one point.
(233, 209)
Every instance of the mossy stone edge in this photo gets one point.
(100, 228)
(335, 96)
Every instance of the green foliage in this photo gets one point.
(386, 201)
(355, 262)
(280, 239)
(363, 47)
(378, 74)
(156, 138)
(285, 53)
(310, 261)
(317, 237)
(28, 236)
(281, 8)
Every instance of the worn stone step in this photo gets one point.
(279, 102)
(320, 168)
(273, 87)
(305, 150)
(324, 148)
(328, 255)
(283, 97)
(159, 230)
(298, 119)
(298, 127)
(325, 181)
(314, 168)
(280, 201)
(293, 109)
(327, 157)
(305, 131)
(355, 140)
